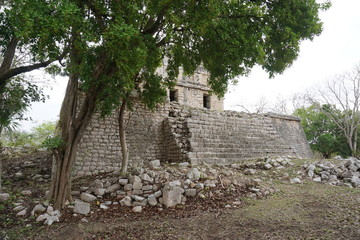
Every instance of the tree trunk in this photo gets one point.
(73, 125)
(122, 134)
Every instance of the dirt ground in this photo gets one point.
(297, 211)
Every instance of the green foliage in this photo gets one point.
(14, 101)
(39, 136)
(52, 142)
(118, 45)
(322, 132)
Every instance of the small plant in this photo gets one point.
(52, 142)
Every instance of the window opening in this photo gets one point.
(173, 95)
(206, 101)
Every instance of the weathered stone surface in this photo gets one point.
(194, 174)
(81, 208)
(152, 200)
(87, 197)
(155, 164)
(137, 209)
(18, 208)
(137, 185)
(126, 201)
(99, 191)
(26, 192)
(4, 197)
(128, 187)
(317, 179)
(22, 213)
(190, 192)
(147, 187)
(134, 179)
(268, 166)
(171, 195)
(158, 194)
(123, 181)
(295, 181)
(249, 171)
(112, 188)
(147, 178)
(39, 208)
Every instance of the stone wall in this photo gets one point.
(176, 133)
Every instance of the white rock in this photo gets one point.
(99, 191)
(126, 201)
(87, 197)
(249, 171)
(22, 213)
(147, 178)
(103, 206)
(184, 164)
(137, 185)
(154, 164)
(194, 174)
(49, 220)
(158, 194)
(82, 208)
(113, 188)
(171, 195)
(18, 208)
(42, 217)
(137, 209)
(4, 197)
(134, 179)
(190, 192)
(317, 179)
(137, 198)
(38, 209)
(123, 181)
(268, 166)
(310, 173)
(50, 210)
(26, 192)
(295, 181)
(152, 200)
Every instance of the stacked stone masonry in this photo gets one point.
(177, 133)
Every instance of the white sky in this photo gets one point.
(335, 51)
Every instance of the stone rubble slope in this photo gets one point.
(346, 173)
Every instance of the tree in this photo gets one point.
(116, 47)
(322, 132)
(344, 92)
(30, 49)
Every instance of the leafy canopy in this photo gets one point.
(117, 46)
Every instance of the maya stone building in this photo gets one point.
(191, 126)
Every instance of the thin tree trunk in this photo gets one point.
(122, 134)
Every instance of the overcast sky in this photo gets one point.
(335, 51)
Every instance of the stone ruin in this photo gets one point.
(190, 127)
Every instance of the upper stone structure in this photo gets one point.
(193, 90)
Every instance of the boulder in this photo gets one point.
(194, 174)
(126, 201)
(249, 171)
(82, 208)
(295, 181)
(87, 197)
(191, 192)
(152, 200)
(99, 191)
(137, 209)
(123, 181)
(4, 197)
(134, 179)
(171, 195)
(113, 188)
(154, 164)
